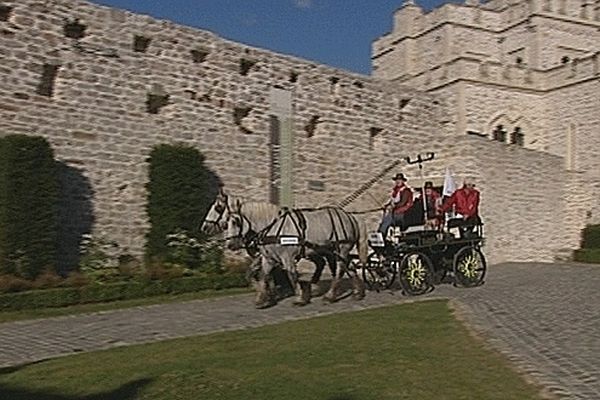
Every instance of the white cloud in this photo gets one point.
(303, 3)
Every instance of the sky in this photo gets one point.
(332, 32)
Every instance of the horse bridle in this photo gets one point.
(221, 212)
(248, 238)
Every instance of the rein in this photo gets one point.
(369, 211)
(249, 238)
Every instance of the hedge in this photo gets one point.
(180, 194)
(96, 293)
(29, 205)
(587, 255)
(590, 237)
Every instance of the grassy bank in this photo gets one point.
(411, 351)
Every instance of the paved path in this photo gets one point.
(545, 318)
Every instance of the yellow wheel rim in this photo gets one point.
(469, 266)
(416, 273)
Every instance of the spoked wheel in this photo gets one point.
(416, 274)
(469, 267)
(378, 275)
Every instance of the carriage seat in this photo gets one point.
(459, 222)
(475, 231)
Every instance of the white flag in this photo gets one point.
(449, 185)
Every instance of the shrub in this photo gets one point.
(99, 260)
(47, 279)
(184, 250)
(11, 283)
(587, 255)
(29, 206)
(192, 253)
(129, 267)
(179, 195)
(237, 266)
(161, 271)
(590, 237)
(96, 293)
(76, 279)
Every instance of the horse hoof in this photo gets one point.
(264, 304)
(358, 297)
(300, 303)
(329, 299)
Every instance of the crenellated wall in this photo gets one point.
(105, 86)
(91, 95)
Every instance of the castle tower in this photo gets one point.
(524, 72)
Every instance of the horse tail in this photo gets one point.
(362, 245)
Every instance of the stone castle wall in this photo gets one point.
(529, 64)
(346, 127)
(97, 120)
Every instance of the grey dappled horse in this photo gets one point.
(321, 232)
(256, 216)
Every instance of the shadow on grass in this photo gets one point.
(125, 392)
(341, 397)
(10, 370)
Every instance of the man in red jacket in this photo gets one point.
(466, 205)
(401, 199)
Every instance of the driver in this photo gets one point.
(401, 199)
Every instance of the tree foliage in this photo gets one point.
(180, 192)
(29, 206)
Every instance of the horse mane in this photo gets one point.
(258, 210)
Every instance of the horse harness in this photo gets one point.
(299, 222)
(249, 238)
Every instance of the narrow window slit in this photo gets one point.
(141, 43)
(46, 85)
(311, 127)
(246, 65)
(373, 133)
(74, 30)
(155, 102)
(5, 12)
(198, 56)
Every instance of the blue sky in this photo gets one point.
(333, 32)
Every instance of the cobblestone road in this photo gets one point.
(543, 317)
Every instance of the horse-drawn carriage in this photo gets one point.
(421, 258)
(280, 238)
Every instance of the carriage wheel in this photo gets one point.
(469, 267)
(416, 274)
(377, 275)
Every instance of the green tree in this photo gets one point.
(29, 205)
(180, 193)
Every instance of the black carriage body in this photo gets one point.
(424, 258)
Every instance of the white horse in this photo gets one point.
(256, 216)
(305, 233)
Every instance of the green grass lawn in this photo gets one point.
(413, 351)
(6, 316)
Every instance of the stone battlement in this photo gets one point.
(468, 68)
(496, 31)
